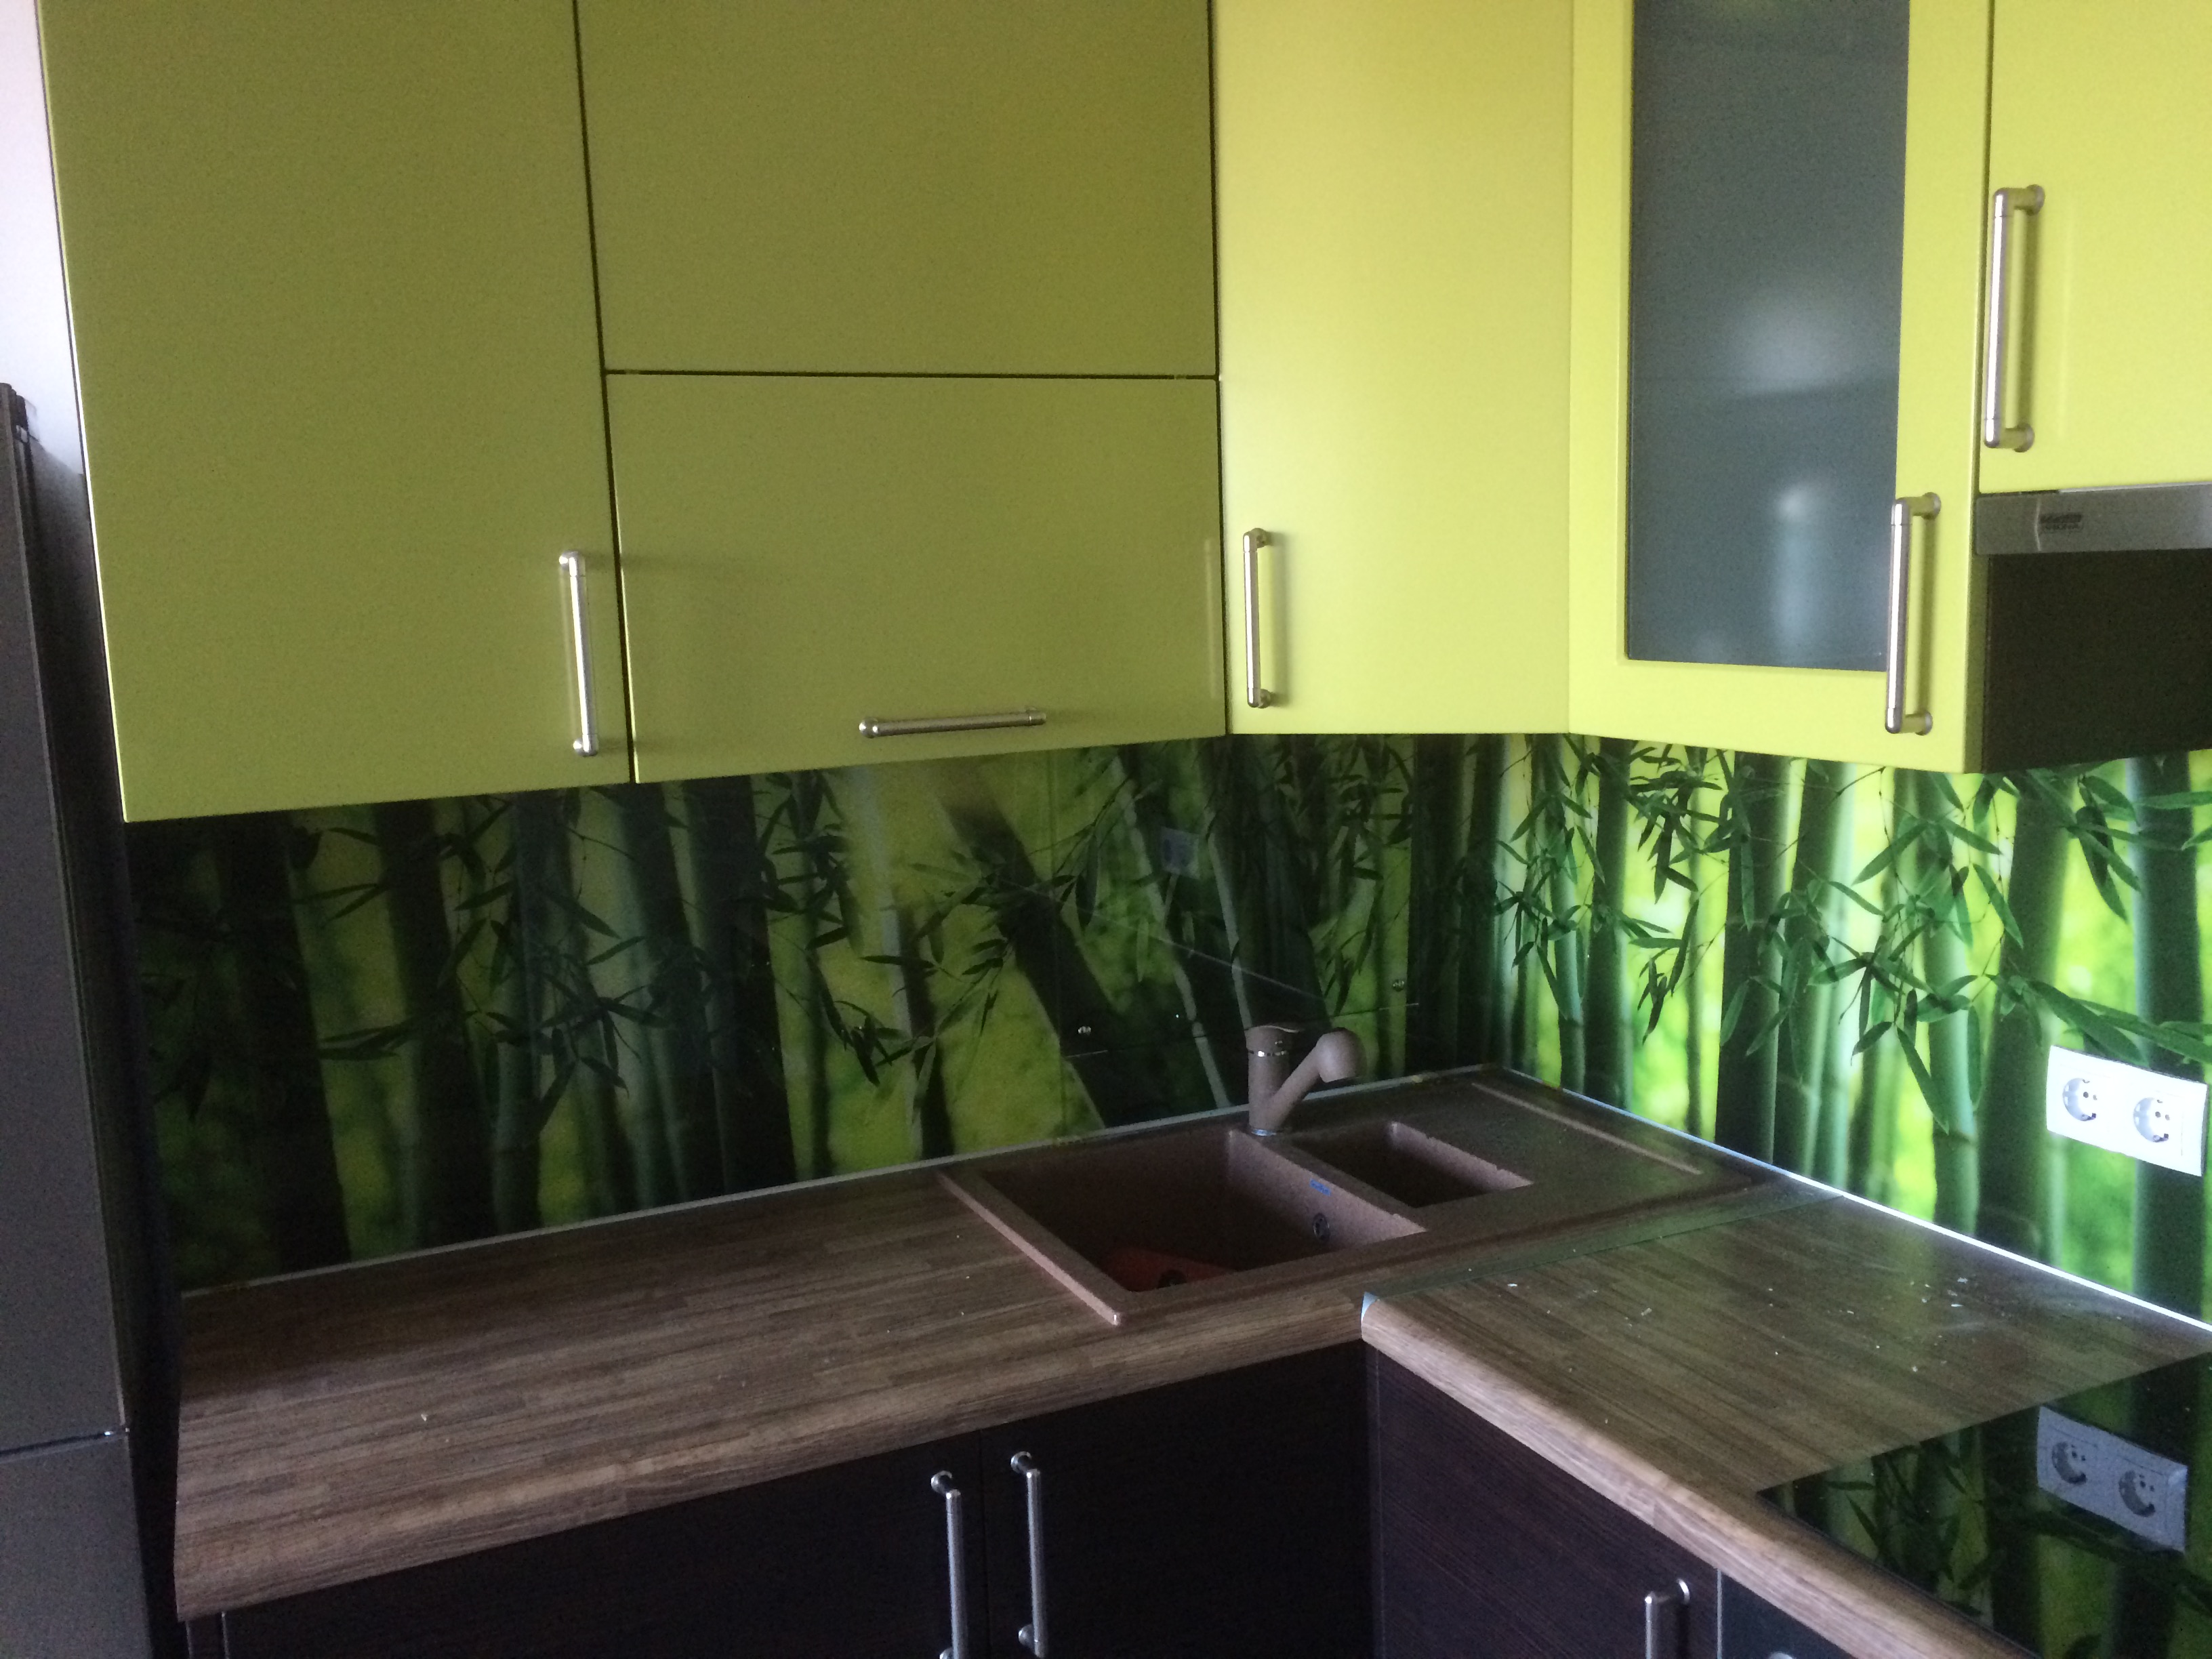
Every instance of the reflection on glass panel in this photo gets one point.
(1766, 243)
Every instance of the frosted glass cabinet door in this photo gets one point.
(1766, 253)
(1777, 285)
(330, 281)
(2104, 108)
(802, 553)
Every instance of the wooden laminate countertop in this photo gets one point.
(1682, 1375)
(339, 1424)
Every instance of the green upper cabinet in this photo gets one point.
(2103, 108)
(968, 186)
(330, 281)
(1395, 182)
(1779, 219)
(973, 564)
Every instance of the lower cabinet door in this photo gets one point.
(1223, 1517)
(805, 553)
(850, 1561)
(1483, 1550)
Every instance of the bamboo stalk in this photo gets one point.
(1550, 814)
(1610, 1064)
(1486, 1001)
(676, 1038)
(295, 1159)
(1937, 880)
(2169, 1213)
(1753, 812)
(2015, 1172)
(1435, 952)
(732, 878)
(450, 1170)
(1822, 852)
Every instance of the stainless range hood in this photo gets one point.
(2097, 635)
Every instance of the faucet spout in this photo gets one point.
(1335, 1057)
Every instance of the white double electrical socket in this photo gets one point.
(2125, 1108)
(2100, 1473)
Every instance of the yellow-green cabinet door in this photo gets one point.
(1776, 294)
(1395, 189)
(963, 564)
(329, 273)
(878, 187)
(2103, 108)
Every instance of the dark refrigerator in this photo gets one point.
(87, 1327)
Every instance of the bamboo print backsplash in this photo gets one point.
(376, 1028)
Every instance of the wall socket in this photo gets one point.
(2125, 1108)
(2117, 1479)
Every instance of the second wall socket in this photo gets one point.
(2125, 1108)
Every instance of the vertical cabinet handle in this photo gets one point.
(580, 640)
(955, 1563)
(1995, 435)
(1256, 695)
(1666, 1622)
(1031, 1635)
(1902, 512)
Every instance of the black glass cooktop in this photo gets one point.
(2068, 1527)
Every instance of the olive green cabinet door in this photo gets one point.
(330, 278)
(2109, 337)
(801, 555)
(1394, 215)
(980, 186)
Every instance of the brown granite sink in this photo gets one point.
(1196, 1209)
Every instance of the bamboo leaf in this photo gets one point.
(1998, 904)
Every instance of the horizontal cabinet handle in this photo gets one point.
(934, 723)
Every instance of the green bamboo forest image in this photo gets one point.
(381, 1028)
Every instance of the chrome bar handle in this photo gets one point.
(1995, 435)
(1658, 1606)
(916, 728)
(1256, 695)
(1902, 512)
(1031, 1635)
(579, 638)
(955, 1562)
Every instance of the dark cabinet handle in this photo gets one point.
(1666, 1622)
(1031, 1635)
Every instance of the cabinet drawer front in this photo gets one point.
(330, 276)
(800, 555)
(985, 186)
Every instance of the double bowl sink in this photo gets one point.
(1197, 1210)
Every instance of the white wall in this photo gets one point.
(34, 346)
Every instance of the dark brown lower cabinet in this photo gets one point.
(1483, 1550)
(1226, 1516)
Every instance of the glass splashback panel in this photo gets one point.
(1767, 196)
